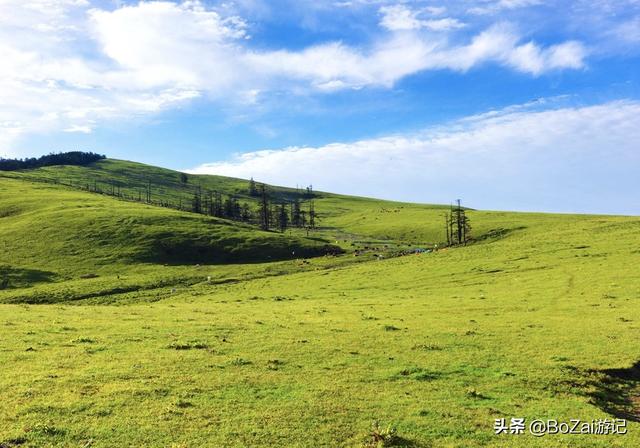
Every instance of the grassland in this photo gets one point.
(337, 214)
(52, 233)
(537, 319)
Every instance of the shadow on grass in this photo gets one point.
(380, 437)
(396, 442)
(15, 277)
(176, 251)
(10, 443)
(499, 233)
(617, 392)
(402, 442)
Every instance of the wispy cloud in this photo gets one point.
(93, 64)
(495, 6)
(627, 31)
(542, 152)
(401, 17)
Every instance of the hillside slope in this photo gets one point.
(57, 233)
(55, 229)
(541, 323)
(338, 215)
(132, 180)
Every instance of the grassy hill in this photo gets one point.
(538, 319)
(131, 180)
(337, 214)
(52, 233)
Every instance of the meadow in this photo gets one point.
(109, 341)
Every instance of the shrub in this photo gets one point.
(380, 437)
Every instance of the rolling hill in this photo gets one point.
(364, 217)
(536, 319)
(52, 233)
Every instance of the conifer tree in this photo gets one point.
(264, 209)
(458, 225)
(295, 213)
(253, 190)
(283, 218)
(312, 215)
(196, 203)
(218, 210)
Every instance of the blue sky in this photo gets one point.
(508, 104)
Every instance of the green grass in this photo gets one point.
(338, 215)
(537, 320)
(132, 178)
(100, 245)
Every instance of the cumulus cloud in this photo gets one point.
(540, 151)
(160, 44)
(70, 65)
(52, 79)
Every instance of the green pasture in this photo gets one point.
(109, 340)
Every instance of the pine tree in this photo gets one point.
(309, 192)
(295, 213)
(264, 210)
(458, 225)
(447, 226)
(218, 210)
(210, 210)
(303, 218)
(283, 218)
(237, 210)
(253, 190)
(312, 215)
(196, 204)
(228, 208)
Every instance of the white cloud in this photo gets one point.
(336, 65)
(495, 6)
(443, 24)
(540, 153)
(530, 58)
(166, 44)
(435, 10)
(67, 65)
(501, 44)
(401, 17)
(79, 129)
(628, 31)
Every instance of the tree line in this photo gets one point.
(61, 158)
(285, 213)
(272, 213)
